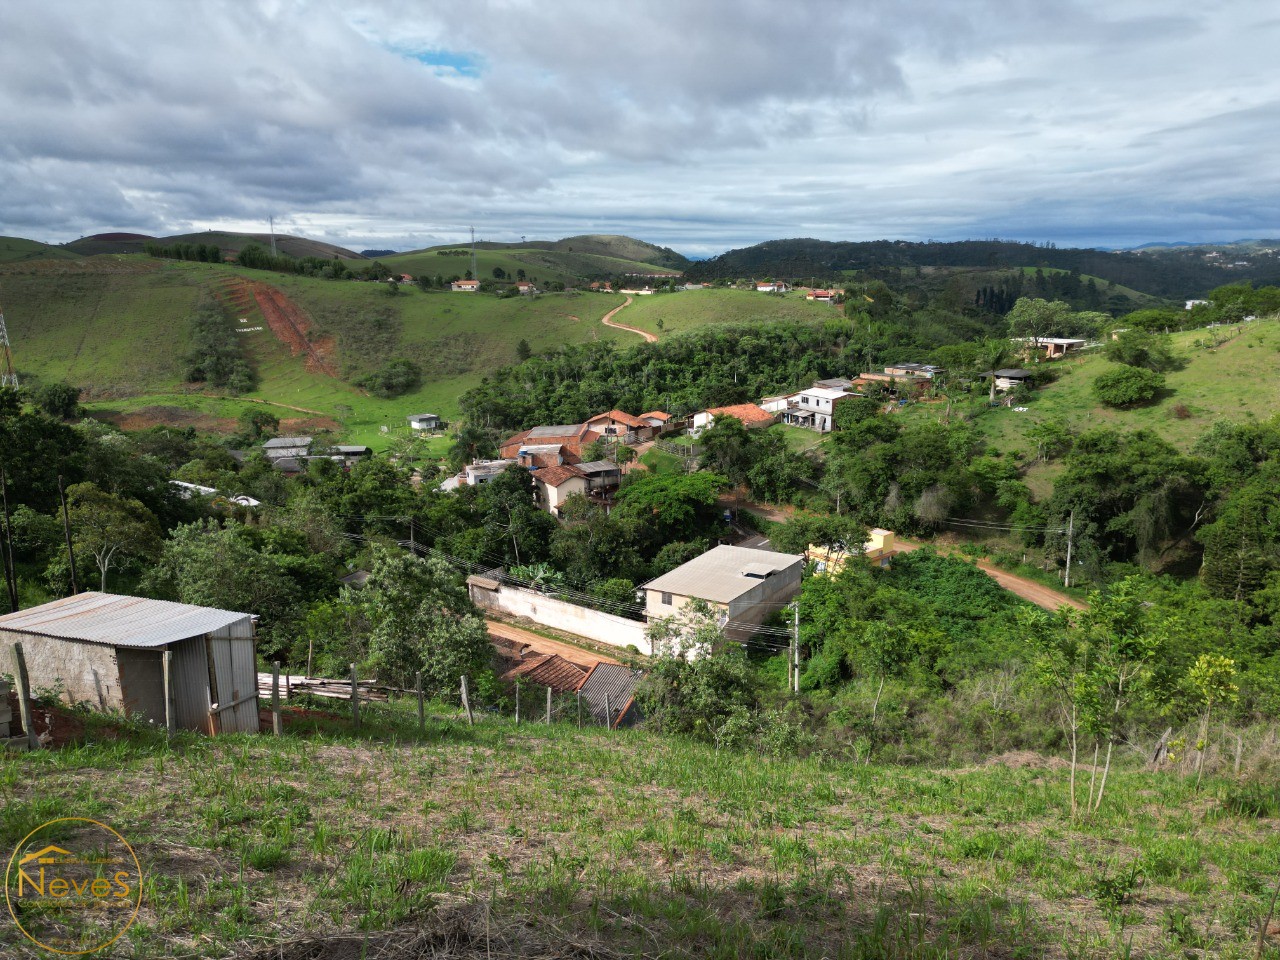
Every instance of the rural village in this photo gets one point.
(556, 483)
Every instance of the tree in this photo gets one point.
(114, 530)
(672, 506)
(1059, 662)
(1127, 386)
(257, 423)
(993, 353)
(59, 400)
(697, 684)
(523, 350)
(1140, 348)
(423, 619)
(1052, 436)
(214, 566)
(1123, 648)
(1032, 318)
(472, 443)
(1212, 682)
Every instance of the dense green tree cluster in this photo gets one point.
(197, 252)
(217, 355)
(392, 379)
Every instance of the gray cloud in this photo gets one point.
(702, 126)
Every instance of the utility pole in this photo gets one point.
(66, 529)
(474, 275)
(10, 573)
(272, 221)
(1071, 525)
(795, 640)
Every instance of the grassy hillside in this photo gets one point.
(15, 249)
(551, 841)
(541, 263)
(230, 243)
(118, 327)
(611, 246)
(688, 309)
(1234, 381)
(113, 327)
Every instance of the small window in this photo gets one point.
(666, 599)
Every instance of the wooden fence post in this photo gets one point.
(466, 702)
(417, 688)
(170, 720)
(579, 709)
(355, 699)
(517, 703)
(548, 706)
(608, 712)
(24, 696)
(277, 725)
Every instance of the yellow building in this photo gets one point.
(878, 551)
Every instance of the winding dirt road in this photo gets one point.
(1037, 593)
(607, 320)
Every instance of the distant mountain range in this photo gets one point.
(1167, 272)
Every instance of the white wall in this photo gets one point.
(550, 612)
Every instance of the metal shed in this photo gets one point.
(108, 651)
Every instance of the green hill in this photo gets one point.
(118, 327)
(1170, 274)
(230, 244)
(543, 261)
(688, 309)
(14, 249)
(1236, 380)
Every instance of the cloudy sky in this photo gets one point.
(701, 124)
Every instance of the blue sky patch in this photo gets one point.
(447, 62)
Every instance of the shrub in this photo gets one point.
(1127, 386)
(393, 379)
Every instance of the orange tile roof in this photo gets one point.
(656, 415)
(621, 417)
(748, 413)
(555, 476)
(550, 670)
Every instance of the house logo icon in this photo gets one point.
(73, 886)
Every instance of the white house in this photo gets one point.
(814, 409)
(749, 414)
(773, 286)
(745, 586)
(424, 421)
(465, 286)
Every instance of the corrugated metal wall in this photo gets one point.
(191, 684)
(142, 682)
(234, 667)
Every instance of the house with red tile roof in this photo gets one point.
(748, 414)
(625, 427)
(548, 670)
(571, 438)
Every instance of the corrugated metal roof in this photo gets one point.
(614, 679)
(119, 621)
(287, 442)
(718, 575)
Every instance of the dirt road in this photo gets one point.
(607, 320)
(1029, 590)
(540, 644)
